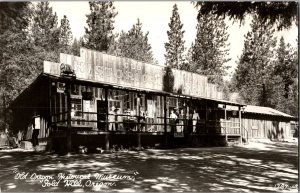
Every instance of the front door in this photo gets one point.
(102, 109)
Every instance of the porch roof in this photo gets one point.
(265, 111)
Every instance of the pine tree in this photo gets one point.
(284, 97)
(284, 66)
(65, 35)
(15, 18)
(134, 44)
(75, 48)
(99, 33)
(252, 75)
(45, 31)
(175, 46)
(188, 59)
(210, 50)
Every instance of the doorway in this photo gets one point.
(102, 109)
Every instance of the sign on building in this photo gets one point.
(100, 67)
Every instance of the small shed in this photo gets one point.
(260, 122)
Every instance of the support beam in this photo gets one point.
(69, 129)
(240, 125)
(225, 112)
(106, 121)
(206, 117)
(165, 120)
(138, 125)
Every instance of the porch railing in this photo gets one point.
(132, 123)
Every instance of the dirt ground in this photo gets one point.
(257, 167)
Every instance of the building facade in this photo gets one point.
(101, 100)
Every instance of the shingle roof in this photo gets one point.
(265, 110)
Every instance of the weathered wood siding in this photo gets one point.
(34, 102)
(100, 67)
(268, 127)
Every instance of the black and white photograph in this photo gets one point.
(149, 96)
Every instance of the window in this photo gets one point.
(76, 107)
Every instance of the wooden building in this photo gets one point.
(99, 100)
(266, 123)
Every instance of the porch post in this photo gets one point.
(165, 120)
(106, 120)
(206, 117)
(138, 125)
(225, 123)
(69, 131)
(240, 125)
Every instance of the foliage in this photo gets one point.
(24, 46)
(168, 80)
(286, 65)
(134, 44)
(252, 76)
(99, 33)
(15, 18)
(284, 74)
(65, 35)
(75, 48)
(210, 49)
(175, 45)
(282, 14)
(45, 31)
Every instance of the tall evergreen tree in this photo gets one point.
(134, 44)
(65, 35)
(45, 31)
(188, 61)
(15, 18)
(210, 50)
(252, 75)
(175, 46)
(285, 66)
(99, 33)
(284, 76)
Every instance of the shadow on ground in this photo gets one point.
(228, 169)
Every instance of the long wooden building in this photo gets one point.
(99, 100)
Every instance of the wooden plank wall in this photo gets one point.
(101, 67)
(266, 127)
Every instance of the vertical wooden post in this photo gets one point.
(206, 117)
(225, 123)
(165, 120)
(50, 105)
(138, 125)
(49, 133)
(69, 131)
(240, 125)
(106, 121)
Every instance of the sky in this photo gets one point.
(155, 16)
